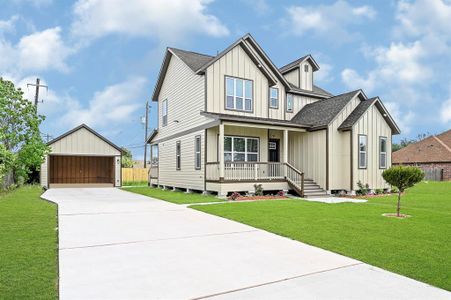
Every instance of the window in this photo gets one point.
(274, 97)
(289, 103)
(306, 68)
(362, 151)
(178, 160)
(197, 155)
(382, 152)
(240, 149)
(239, 94)
(164, 112)
(154, 155)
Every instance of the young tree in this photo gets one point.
(22, 148)
(402, 177)
(127, 160)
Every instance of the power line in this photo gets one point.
(36, 94)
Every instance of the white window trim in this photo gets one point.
(363, 152)
(163, 114)
(290, 109)
(178, 155)
(272, 98)
(232, 152)
(235, 96)
(197, 152)
(381, 138)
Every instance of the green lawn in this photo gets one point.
(177, 197)
(28, 245)
(418, 247)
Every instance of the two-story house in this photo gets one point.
(228, 121)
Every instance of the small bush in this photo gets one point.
(234, 196)
(379, 191)
(258, 190)
(363, 189)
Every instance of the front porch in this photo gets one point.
(240, 155)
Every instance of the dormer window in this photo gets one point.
(239, 94)
(273, 97)
(306, 68)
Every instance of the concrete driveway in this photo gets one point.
(119, 245)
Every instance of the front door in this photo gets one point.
(274, 150)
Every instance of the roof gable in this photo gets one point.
(84, 126)
(431, 149)
(319, 114)
(296, 64)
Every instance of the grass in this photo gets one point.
(28, 245)
(177, 197)
(418, 247)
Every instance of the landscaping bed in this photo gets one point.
(268, 197)
(177, 197)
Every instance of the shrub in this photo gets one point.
(379, 191)
(258, 190)
(234, 196)
(280, 193)
(363, 189)
(402, 178)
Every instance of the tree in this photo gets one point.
(402, 177)
(406, 142)
(127, 159)
(22, 148)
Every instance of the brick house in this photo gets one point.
(432, 154)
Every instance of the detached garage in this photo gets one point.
(82, 158)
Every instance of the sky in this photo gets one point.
(101, 58)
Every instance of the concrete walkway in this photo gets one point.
(118, 245)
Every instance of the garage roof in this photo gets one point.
(90, 130)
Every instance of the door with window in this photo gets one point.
(274, 156)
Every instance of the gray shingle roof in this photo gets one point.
(192, 59)
(316, 90)
(292, 64)
(355, 115)
(321, 113)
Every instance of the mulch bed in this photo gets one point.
(394, 215)
(259, 198)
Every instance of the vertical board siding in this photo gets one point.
(339, 150)
(184, 92)
(298, 103)
(293, 77)
(307, 152)
(372, 124)
(188, 176)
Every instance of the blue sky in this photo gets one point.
(100, 58)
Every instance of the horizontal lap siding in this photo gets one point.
(339, 150)
(372, 124)
(187, 176)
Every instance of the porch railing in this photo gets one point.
(153, 171)
(245, 171)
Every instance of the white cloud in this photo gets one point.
(165, 19)
(37, 3)
(43, 50)
(403, 119)
(324, 74)
(115, 104)
(8, 25)
(445, 113)
(329, 21)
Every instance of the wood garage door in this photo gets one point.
(81, 169)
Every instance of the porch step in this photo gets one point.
(311, 189)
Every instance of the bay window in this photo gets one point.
(240, 149)
(239, 94)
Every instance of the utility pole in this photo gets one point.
(36, 95)
(145, 133)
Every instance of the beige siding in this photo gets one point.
(236, 63)
(293, 77)
(306, 77)
(187, 176)
(298, 103)
(184, 92)
(372, 124)
(224, 188)
(339, 150)
(83, 142)
(213, 133)
(307, 152)
(117, 171)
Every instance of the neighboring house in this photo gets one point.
(228, 121)
(81, 157)
(432, 155)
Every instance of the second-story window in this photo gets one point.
(289, 103)
(274, 97)
(164, 112)
(239, 94)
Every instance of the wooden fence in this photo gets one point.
(433, 174)
(134, 175)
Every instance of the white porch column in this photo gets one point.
(221, 151)
(285, 146)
